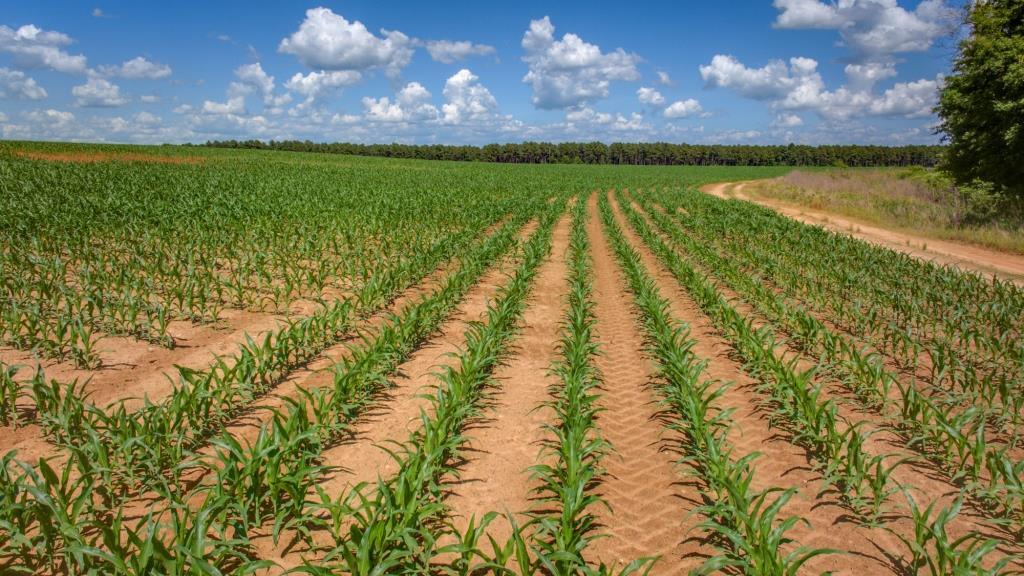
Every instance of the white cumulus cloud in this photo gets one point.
(787, 121)
(316, 86)
(51, 117)
(467, 100)
(98, 93)
(147, 119)
(586, 115)
(411, 104)
(569, 72)
(912, 99)
(872, 28)
(863, 77)
(448, 51)
(327, 41)
(683, 108)
(234, 105)
(15, 84)
(136, 68)
(773, 81)
(253, 76)
(33, 47)
(799, 86)
(649, 96)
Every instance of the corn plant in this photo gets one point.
(559, 539)
(932, 551)
(744, 521)
(11, 391)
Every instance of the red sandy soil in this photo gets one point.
(362, 456)
(91, 157)
(506, 440)
(651, 497)
(642, 485)
(132, 370)
(988, 262)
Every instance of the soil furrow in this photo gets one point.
(363, 456)
(649, 503)
(781, 463)
(925, 480)
(503, 443)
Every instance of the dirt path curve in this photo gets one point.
(505, 442)
(649, 506)
(974, 258)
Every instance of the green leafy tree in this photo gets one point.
(982, 103)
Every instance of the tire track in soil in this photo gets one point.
(504, 442)
(785, 464)
(395, 413)
(649, 503)
(927, 481)
(781, 463)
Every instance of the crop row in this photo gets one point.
(399, 524)
(954, 436)
(797, 404)
(965, 336)
(93, 250)
(251, 482)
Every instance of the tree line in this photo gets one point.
(654, 153)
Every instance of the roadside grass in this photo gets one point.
(912, 200)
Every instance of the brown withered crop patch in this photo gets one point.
(90, 157)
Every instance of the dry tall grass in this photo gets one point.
(914, 201)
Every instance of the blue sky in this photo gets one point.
(806, 71)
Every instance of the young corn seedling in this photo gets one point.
(932, 551)
(397, 528)
(62, 409)
(11, 391)
(863, 481)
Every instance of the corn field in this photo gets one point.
(248, 362)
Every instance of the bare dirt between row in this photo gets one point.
(984, 261)
(648, 503)
(506, 440)
(134, 370)
(780, 464)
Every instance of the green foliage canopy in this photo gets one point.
(982, 103)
